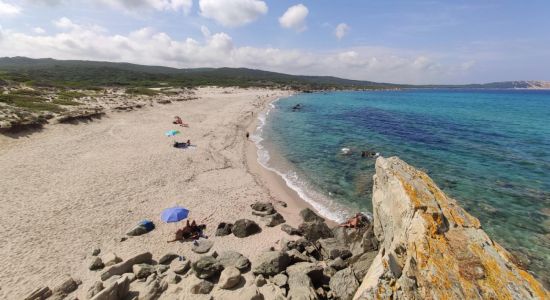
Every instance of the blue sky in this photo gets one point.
(392, 41)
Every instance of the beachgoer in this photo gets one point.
(189, 144)
(358, 221)
(247, 135)
(179, 121)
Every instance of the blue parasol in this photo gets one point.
(174, 214)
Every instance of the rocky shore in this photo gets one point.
(419, 245)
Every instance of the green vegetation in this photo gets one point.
(90, 75)
(67, 97)
(32, 103)
(141, 91)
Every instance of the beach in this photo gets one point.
(69, 188)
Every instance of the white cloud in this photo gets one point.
(148, 46)
(8, 9)
(295, 18)
(232, 13)
(159, 5)
(341, 30)
(38, 30)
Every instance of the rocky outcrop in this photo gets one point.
(430, 248)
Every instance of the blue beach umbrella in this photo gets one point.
(172, 132)
(174, 214)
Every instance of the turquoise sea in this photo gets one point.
(489, 149)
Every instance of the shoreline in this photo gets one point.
(276, 186)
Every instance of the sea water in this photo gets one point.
(489, 149)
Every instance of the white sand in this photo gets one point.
(70, 188)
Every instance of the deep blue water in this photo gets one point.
(488, 149)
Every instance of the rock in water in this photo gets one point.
(273, 220)
(224, 229)
(432, 248)
(244, 227)
(206, 267)
(309, 215)
(233, 259)
(313, 231)
(344, 284)
(271, 263)
(202, 246)
(229, 278)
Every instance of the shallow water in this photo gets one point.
(488, 149)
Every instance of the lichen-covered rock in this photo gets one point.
(432, 248)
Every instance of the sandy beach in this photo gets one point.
(70, 188)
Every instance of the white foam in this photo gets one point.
(323, 204)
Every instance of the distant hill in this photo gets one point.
(79, 73)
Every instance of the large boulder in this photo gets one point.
(233, 259)
(344, 284)
(229, 278)
(290, 230)
(273, 220)
(309, 215)
(313, 231)
(331, 248)
(361, 263)
(206, 267)
(271, 263)
(118, 289)
(244, 227)
(432, 248)
(180, 267)
(167, 258)
(313, 270)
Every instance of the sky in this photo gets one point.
(407, 41)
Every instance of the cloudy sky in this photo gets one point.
(407, 41)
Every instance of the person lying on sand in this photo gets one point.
(181, 145)
(189, 231)
(179, 121)
(359, 220)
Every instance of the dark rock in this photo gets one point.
(167, 258)
(313, 231)
(202, 246)
(40, 293)
(290, 230)
(273, 220)
(233, 259)
(96, 251)
(260, 281)
(309, 215)
(263, 206)
(331, 248)
(138, 230)
(206, 267)
(95, 263)
(244, 227)
(344, 284)
(224, 229)
(271, 263)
